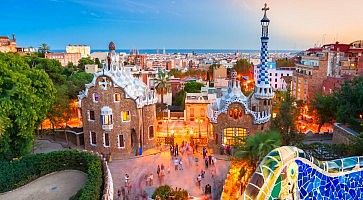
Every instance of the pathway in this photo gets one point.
(138, 167)
(56, 186)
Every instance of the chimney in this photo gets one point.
(14, 39)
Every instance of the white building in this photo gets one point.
(275, 76)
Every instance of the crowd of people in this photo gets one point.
(182, 157)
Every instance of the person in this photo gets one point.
(171, 150)
(176, 152)
(214, 160)
(151, 179)
(119, 194)
(158, 170)
(127, 178)
(199, 180)
(180, 164)
(176, 163)
(162, 166)
(123, 192)
(202, 173)
(206, 162)
(210, 159)
(196, 161)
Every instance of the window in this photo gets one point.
(106, 139)
(107, 120)
(91, 115)
(92, 138)
(275, 74)
(125, 116)
(232, 136)
(275, 85)
(287, 74)
(96, 97)
(275, 79)
(202, 112)
(191, 112)
(151, 132)
(121, 141)
(117, 97)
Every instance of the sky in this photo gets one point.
(181, 24)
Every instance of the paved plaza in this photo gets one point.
(56, 186)
(141, 167)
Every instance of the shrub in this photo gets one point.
(165, 191)
(19, 172)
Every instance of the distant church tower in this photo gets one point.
(263, 88)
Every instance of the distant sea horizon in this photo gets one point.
(186, 51)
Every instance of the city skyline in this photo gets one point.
(182, 24)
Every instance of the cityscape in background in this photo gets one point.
(114, 123)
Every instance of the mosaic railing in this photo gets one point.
(289, 173)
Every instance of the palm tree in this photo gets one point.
(258, 146)
(43, 48)
(162, 84)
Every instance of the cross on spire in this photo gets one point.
(265, 8)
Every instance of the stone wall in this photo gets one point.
(342, 135)
(246, 121)
(106, 98)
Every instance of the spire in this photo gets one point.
(263, 89)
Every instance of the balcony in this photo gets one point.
(108, 127)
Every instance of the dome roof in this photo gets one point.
(111, 46)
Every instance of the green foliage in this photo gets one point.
(26, 95)
(162, 83)
(285, 62)
(257, 146)
(165, 191)
(325, 107)
(243, 66)
(162, 192)
(67, 81)
(85, 61)
(193, 87)
(349, 99)
(322, 151)
(179, 98)
(176, 73)
(76, 83)
(285, 120)
(22, 171)
(43, 48)
(357, 145)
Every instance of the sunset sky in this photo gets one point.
(222, 24)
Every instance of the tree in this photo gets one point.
(325, 108)
(257, 146)
(76, 83)
(26, 95)
(162, 84)
(243, 66)
(349, 99)
(83, 62)
(285, 62)
(193, 87)
(98, 63)
(43, 49)
(285, 120)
